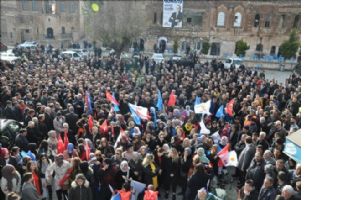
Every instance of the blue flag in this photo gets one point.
(136, 119)
(197, 100)
(116, 197)
(115, 107)
(220, 112)
(160, 102)
(153, 111)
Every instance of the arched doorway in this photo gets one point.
(50, 33)
(162, 41)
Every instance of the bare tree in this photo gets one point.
(117, 24)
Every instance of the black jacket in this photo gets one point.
(83, 192)
(197, 181)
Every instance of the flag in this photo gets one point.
(232, 159)
(172, 99)
(87, 151)
(160, 102)
(111, 99)
(152, 110)
(203, 108)
(116, 197)
(31, 155)
(223, 155)
(60, 145)
(115, 106)
(140, 111)
(136, 119)
(90, 123)
(197, 100)
(220, 112)
(104, 127)
(229, 108)
(138, 188)
(216, 137)
(88, 102)
(66, 141)
(204, 129)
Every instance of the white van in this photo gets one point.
(72, 55)
(236, 61)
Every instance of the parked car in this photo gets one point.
(32, 45)
(9, 56)
(157, 57)
(106, 51)
(82, 52)
(175, 58)
(8, 130)
(232, 61)
(72, 55)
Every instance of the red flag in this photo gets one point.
(113, 131)
(229, 108)
(104, 127)
(111, 99)
(65, 177)
(90, 123)
(223, 155)
(60, 145)
(66, 141)
(87, 151)
(172, 99)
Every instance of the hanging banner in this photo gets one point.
(172, 13)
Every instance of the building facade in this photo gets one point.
(263, 25)
(48, 22)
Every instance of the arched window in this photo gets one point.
(267, 21)
(220, 19)
(237, 19)
(256, 20)
(296, 22)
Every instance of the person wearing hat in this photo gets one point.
(80, 189)
(29, 191)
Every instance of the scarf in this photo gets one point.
(154, 178)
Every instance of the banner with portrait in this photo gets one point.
(172, 13)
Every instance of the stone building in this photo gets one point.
(47, 22)
(264, 25)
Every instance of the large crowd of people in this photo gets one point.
(77, 144)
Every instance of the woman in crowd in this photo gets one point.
(80, 189)
(10, 180)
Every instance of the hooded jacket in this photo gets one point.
(83, 192)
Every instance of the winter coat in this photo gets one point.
(246, 157)
(267, 194)
(29, 192)
(59, 173)
(16, 185)
(77, 192)
(197, 181)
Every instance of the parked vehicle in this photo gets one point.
(8, 130)
(32, 45)
(71, 55)
(157, 57)
(232, 62)
(106, 51)
(9, 56)
(82, 52)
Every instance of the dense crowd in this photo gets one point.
(77, 144)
